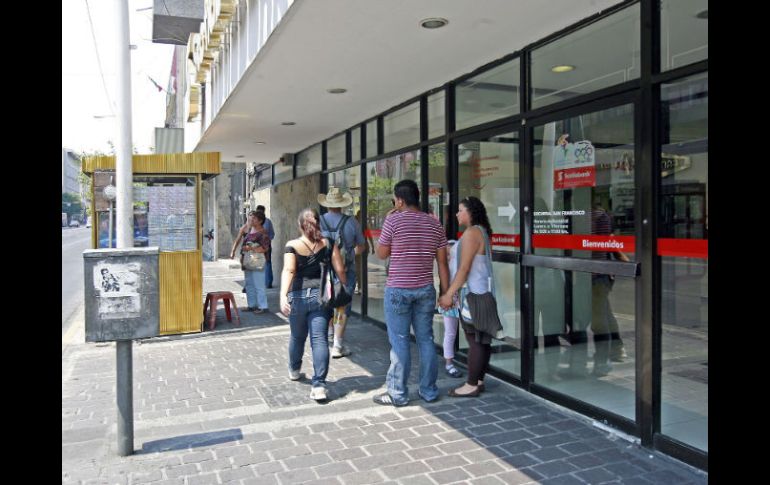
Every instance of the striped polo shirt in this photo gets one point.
(413, 238)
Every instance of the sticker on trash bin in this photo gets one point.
(117, 290)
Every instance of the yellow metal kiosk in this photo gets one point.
(167, 214)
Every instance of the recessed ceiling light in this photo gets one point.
(433, 23)
(564, 68)
(288, 123)
(337, 90)
(703, 14)
(259, 143)
(239, 156)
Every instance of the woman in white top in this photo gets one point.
(473, 269)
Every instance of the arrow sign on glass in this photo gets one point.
(509, 211)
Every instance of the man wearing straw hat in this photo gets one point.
(353, 243)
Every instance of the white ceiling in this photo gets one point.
(379, 53)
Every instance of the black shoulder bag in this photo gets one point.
(333, 294)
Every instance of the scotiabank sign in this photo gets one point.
(574, 177)
(574, 164)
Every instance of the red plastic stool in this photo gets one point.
(226, 297)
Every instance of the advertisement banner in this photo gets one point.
(574, 164)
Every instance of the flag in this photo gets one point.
(160, 88)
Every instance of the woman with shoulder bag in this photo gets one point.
(300, 298)
(256, 243)
(473, 267)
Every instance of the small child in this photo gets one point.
(451, 318)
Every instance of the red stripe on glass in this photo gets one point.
(585, 242)
(684, 248)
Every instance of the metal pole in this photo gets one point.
(109, 234)
(124, 222)
(123, 167)
(124, 361)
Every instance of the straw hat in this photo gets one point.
(335, 199)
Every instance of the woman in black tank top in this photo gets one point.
(300, 285)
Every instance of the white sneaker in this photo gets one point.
(318, 393)
(294, 375)
(338, 352)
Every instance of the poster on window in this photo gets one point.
(574, 164)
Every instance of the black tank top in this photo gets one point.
(308, 272)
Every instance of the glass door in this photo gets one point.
(488, 168)
(584, 251)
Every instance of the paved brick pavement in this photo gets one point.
(217, 407)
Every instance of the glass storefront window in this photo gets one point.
(488, 96)
(438, 207)
(335, 152)
(382, 176)
(683, 247)
(309, 161)
(371, 139)
(596, 56)
(350, 181)
(584, 186)
(506, 354)
(684, 36)
(282, 171)
(402, 127)
(581, 349)
(489, 169)
(355, 144)
(436, 118)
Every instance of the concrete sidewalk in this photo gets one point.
(217, 407)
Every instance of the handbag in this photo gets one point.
(333, 293)
(252, 260)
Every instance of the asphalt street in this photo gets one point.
(74, 241)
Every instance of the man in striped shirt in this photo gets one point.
(413, 240)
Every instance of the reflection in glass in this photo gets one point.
(350, 181)
(584, 186)
(402, 128)
(355, 144)
(600, 55)
(580, 349)
(382, 175)
(436, 118)
(489, 169)
(488, 96)
(683, 246)
(506, 355)
(309, 161)
(684, 35)
(282, 171)
(371, 139)
(335, 152)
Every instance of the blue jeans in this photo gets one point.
(415, 306)
(269, 274)
(256, 296)
(307, 316)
